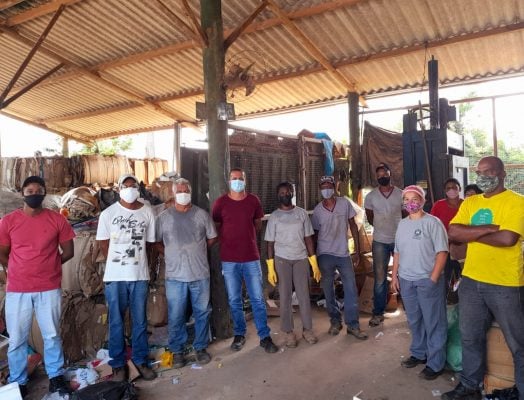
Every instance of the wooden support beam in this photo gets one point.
(127, 93)
(89, 114)
(196, 24)
(31, 53)
(39, 11)
(5, 4)
(179, 21)
(238, 31)
(311, 48)
(354, 145)
(30, 86)
(109, 135)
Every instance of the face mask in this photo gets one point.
(237, 185)
(487, 183)
(285, 200)
(384, 180)
(452, 193)
(412, 207)
(34, 200)
(183, 198)
(327, 193)
(129, 194)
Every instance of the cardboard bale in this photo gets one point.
(492, 382)
(366, 295)
(83, 242)
(157, 306)
(499, 361)
(91, 270)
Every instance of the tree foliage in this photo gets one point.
(109, 147)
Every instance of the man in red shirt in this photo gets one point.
(29, 247)
(238, 217)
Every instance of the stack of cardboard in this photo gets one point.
(500, 372)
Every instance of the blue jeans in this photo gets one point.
(233, 273)
(328, 265)
(178, 293)
(121, 295)
(381, 255)
(479, 304)
(19, 309)
(425, 305)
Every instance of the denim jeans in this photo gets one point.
(381, 255)
(425, 306)
(251, 273)
(19, 309)
(479, 304)
(328, 265)
(121, 295)
(178, 293)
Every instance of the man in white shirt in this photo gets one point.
(384, 211)
(123, 230)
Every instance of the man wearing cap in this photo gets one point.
(238, 216)
(331, 218)
(123, 230)
(492, 284)
(34, 243)
(383, 207)
(186, 231)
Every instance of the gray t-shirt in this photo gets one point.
(418, 241)
(332, 227)
(185, 235)
(288, 228)
(387, 213)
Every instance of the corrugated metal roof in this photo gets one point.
(137, 65)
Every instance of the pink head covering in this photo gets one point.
(415, 189)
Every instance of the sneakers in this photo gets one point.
(58, 384)
(268, 345)
(309, 336)
(357, 333)
(428, 374)
(147, 373)
(335, 328)
(202, 357)
(179, 360)
(461, 392)
(238, 342)
(412, 362)
(291, 340)
(119, 374)
(376, 320)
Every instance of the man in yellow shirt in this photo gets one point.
(492, 287)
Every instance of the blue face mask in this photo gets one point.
(237, 185)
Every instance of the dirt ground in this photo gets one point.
(340, 367)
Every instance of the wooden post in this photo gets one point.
(354, 145)
(218, 153)
(177, 160)
(65, 147)
(495, 140)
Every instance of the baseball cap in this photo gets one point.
(414, 189)
(122, 179)
(33, 179)
(327, 179)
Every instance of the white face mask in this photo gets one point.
(129, 194)
(183, 198)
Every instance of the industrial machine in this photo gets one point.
(433, 155)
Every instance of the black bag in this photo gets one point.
(107, 390)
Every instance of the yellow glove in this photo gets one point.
(314, 266)
(271, 274)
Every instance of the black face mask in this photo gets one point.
(34, 200)
(384, 180)
(285, 200)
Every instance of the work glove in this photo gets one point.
(314, 266)
(271, 274)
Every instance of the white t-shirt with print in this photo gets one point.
(127, 231)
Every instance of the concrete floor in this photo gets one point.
(339, 367)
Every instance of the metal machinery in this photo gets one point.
(433, 155)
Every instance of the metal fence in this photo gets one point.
(514, 177)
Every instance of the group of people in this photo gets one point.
(487, 229)
(35, 242)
